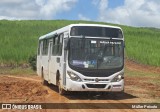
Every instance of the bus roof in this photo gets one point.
(66, 28)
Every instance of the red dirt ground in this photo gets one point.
(29, 89)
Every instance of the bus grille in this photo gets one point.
(96, 85)
(98, 79)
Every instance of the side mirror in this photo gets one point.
(66, 43)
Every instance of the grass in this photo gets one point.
(134, 73)
(18, 71)
(142, 45)
(18, 40)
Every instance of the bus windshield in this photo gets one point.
(94, 31)
(96, 53)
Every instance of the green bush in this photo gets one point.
(32, 62)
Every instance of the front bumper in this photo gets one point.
(94, 86)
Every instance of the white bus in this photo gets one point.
(83, 57)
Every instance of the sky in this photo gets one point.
(139, 13)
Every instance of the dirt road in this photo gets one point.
(21, 89)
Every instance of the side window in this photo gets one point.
(57, 45)
(54, 49)
(43, 52)
(45, 46)
(60, 44)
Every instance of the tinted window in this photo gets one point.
(57, 45)
(96, 31)
(54, 52)
(96, 53)
(45, 47)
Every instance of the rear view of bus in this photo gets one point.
(92, 59)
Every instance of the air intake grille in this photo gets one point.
(98, 79)
(96, 85)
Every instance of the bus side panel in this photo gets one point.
(53, 70)
(61, 69)
(45, 67)
(38, 66)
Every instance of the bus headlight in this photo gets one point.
(118, 78)
(74, 76)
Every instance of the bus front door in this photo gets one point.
(50, 62)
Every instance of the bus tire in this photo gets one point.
(60, 89)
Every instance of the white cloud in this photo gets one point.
(8, 18)
(40, 2)
(95, 2)
(82, 17)
(52, 7)
(103, 4)
(34, 9)
(10, 1)
(134, 13)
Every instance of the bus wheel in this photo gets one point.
(60, 89)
